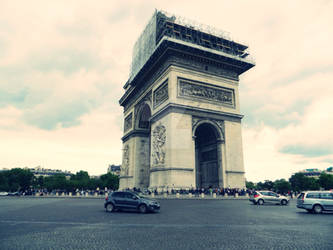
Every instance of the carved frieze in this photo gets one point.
(158, 141)
(128, 122)
(161, 94)
(216, 94)
(125, 165)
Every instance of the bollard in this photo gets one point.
(214, 195)
(226, 195)
(165, 195)
(70, 194)
(87, 194)
(190, 195)
(37, 194)
(95, 194)
(177, 195)
(77, 194)
(152, 195)
(57, 194)
(236, 195)
(202, 195)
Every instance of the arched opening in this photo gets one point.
(144, 117)
(207, 158)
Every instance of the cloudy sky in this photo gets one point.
(63, 64)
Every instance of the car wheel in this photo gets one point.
(317, 209)
(284, 202)
(109, 207)
(261, 202)
(143, 208)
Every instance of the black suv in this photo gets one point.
(130, 200)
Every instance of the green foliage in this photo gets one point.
(57, 181)
(16, 179)
(326, 181)
(81, 181)
(250, 185)
(300, 182)
(4, 181)
(110, 181)
(282, 186)
(267, 185)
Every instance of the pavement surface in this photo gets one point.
(64, 223)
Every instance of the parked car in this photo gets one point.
(261, 197)
(3, 193)
(315, 201)
(14, 194)
(130, 200)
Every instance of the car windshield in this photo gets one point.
(141, 195)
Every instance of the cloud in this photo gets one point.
(64, 60)
(313, 151)
(63, 65)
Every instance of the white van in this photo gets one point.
(316, 201)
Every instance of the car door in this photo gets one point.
(327, 200)
(265, 196)
(271, 197)
(119, 199)
(274, 197)
(131, 200)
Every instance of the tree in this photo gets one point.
(282, 186)
(267, 185)
(110, 181)
(80, 180)
(300, 182)
(4, 181)
(57, 181)
(250, 185)
(326, 181)
(19, 179)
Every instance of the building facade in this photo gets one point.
(182, 120)
(114, 169)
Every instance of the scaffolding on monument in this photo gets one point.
(163, 24)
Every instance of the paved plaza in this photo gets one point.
(81, 223)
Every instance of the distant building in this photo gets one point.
(38, 171)
(315, 172)
(114, 169)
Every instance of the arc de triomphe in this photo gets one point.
(182, 121)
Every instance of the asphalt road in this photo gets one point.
(64, 223)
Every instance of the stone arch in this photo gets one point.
(219, 128)
(208, 157)
(143, 115)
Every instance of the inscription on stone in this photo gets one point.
(191, 89)
(159, 137)
(161, 94)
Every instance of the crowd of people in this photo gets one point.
(197, 191)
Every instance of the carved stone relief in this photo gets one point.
(128, 123)
(219, 95)
(125, 165)
(158, 152)
(143, 162)
(161, 94)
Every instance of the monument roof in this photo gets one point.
(163, 25)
